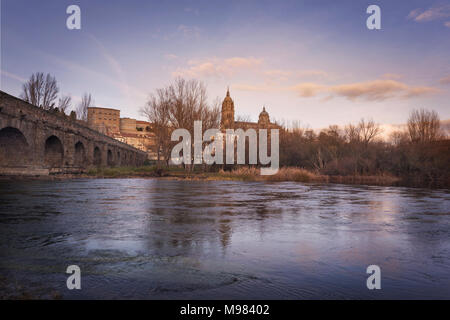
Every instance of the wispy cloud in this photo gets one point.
(192, 10)
(88, 73)
(447, 24)
(254, 88)
(170, 56)
(279, 75)
(217, 67)
(376, 90)
(445, 80)
(122, 82)
(308, 89)
(12, 76)
(433, 13)
(189, 31)
(392, 76)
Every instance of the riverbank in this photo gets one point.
(240, 174)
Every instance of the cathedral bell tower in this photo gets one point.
(264, 119)
(227, 118)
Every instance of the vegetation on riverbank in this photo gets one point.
(241, 174)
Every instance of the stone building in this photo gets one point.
(104, 120)
(138, 134)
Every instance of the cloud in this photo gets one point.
(121, 81)
(447, 24)
(255, 88)
(284, 75)
(217, 67)
(392, 76)
(189, 32)
(311, 74)
(276, 75)
(192, 10)
(12, 76)
(372, 90)
(170, 56)
(376, 90)
(92, 74)
(239, 62)
(445, 80)
(414, 13)
(308, 89)
(433, 13)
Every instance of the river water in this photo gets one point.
(167, 239)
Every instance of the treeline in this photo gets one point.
(42, 91)
(420, 154)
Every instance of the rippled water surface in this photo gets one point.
(164, 239)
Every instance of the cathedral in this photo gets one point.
(227, 119)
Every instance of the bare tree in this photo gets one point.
(40, 90)
(178, 105)
(86, 102)
(64, 103)
(398, 137)
(424, 126)
(157, 112)
(368, 131)
(365, 132)
(352, 133)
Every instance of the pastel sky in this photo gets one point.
(312, 61)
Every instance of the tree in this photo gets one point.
(86, 102)
(157, 112)
(40, 90)
(64, 103)
(364, 132)
(178, 105)
(424, 126)
(368, 131)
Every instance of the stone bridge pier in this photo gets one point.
(38, 142)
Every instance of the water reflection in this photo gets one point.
(138, 238)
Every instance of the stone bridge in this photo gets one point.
(34, 141)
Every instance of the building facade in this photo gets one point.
(104, 120)
(138, 134)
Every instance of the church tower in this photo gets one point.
(264, 119)
(227, 118)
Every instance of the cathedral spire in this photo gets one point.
(227, 119)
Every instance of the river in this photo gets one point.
(167, 239)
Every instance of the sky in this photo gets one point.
(310, 61)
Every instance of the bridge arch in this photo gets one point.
(97, 157)
(110, 158)
(14, 148)
(54, 152)
(119, 160)
(80, 155)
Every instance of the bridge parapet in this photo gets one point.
(34, 141)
